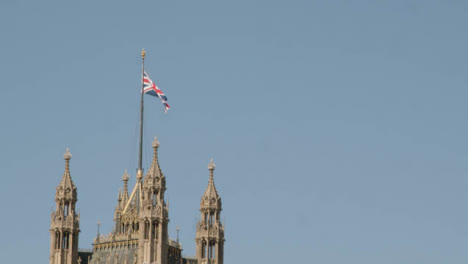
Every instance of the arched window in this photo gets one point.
(65, 210)
(212, 249)
(203, 249)
(146, 230)
(68, 240)
(57, 240)
(155, 196)
(61, 208)
(211, 218)
(65, 240)
(154, 230)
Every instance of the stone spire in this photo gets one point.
(210, 194)
(66, 183)
(154, 172)
(125, 179)
(119, 197)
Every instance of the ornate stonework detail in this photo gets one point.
(155, 143)
(211, 165)
(141, 216)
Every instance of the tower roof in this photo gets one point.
(66, 187)
(154, 172)
(211, 197)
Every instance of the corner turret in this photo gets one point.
(154, 215)
(65, 222)
(210, 230)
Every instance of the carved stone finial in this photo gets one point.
(67, 155)
(155, 143)
(211, 166)
(125, 176)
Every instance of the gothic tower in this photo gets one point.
(210, 230)
(154, 215)
(65, 222)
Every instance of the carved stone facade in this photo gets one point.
(140, 235)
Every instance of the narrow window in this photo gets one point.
(146, 230)
(211, 218)
(213, 251)
(57, 240)
(203, 249)
(65, 210)
(64, 240)
(210, 251)
(155, 193)
(155, 228)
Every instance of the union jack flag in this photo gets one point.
(150, 88)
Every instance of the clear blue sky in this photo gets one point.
(338, 127)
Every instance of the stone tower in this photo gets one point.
(154, 215)
(210, 230)
(65, 222)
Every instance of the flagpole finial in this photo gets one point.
(143, 54)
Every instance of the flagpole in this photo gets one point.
(140, 151)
